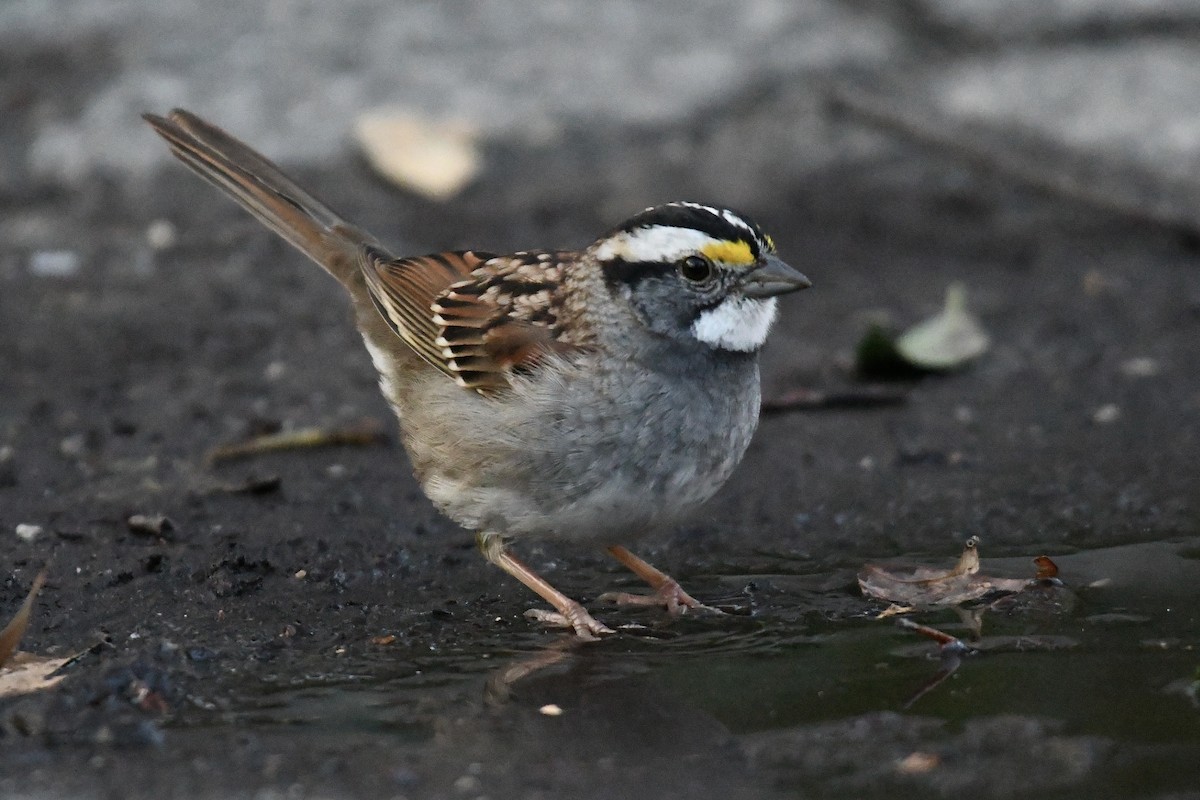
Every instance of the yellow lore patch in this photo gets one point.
(728, 252)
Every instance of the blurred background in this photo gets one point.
(309, 620)
(1115, 77)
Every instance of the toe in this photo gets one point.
(670, 596)
(586, 627)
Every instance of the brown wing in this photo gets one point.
(506, 318)
(404, 289)
(476, 317)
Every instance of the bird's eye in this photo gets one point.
(696, 269)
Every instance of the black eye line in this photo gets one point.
(631, 273)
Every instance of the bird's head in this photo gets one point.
(697, 273)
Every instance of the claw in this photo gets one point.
(669, 595)
(569, 613)
(586, 627)
(667, 591)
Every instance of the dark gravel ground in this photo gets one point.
(116, 381)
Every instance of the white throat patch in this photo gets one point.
(738, 323)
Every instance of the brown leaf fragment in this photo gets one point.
(951, 649)
(895, 609)
(384, 640)
(366, 432)
(10, 637)
(1045, 568)
(930, 633)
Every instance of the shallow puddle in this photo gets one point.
(1093, 693)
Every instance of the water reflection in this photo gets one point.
(806, 693)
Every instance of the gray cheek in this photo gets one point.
(665, 306)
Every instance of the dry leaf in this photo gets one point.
(29, 673)
(10, 637)
(929, 587)
(435, 159)
(21, 673)
(948, 340)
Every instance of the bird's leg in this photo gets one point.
(667, 591)
(567, 614)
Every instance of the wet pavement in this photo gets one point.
(328, 635)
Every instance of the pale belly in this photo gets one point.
(570, 461)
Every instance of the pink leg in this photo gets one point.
(667, 591)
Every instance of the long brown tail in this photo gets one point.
(266, 192)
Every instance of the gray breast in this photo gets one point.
(599, 451)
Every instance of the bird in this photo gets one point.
(587, 395)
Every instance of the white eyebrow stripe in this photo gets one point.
(654, 243)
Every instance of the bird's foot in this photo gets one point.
(669, 595)
(575, 616)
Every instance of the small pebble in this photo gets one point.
(275, 370)
(160, 234)
(55, 263)
(466, 784)
(917, 763)
(1106, 414)
(27, 532)
(150, 525)
(1139, 368)
(551, 710)
(73, 445)
(336, 471)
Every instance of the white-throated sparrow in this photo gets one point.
(589, 395)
